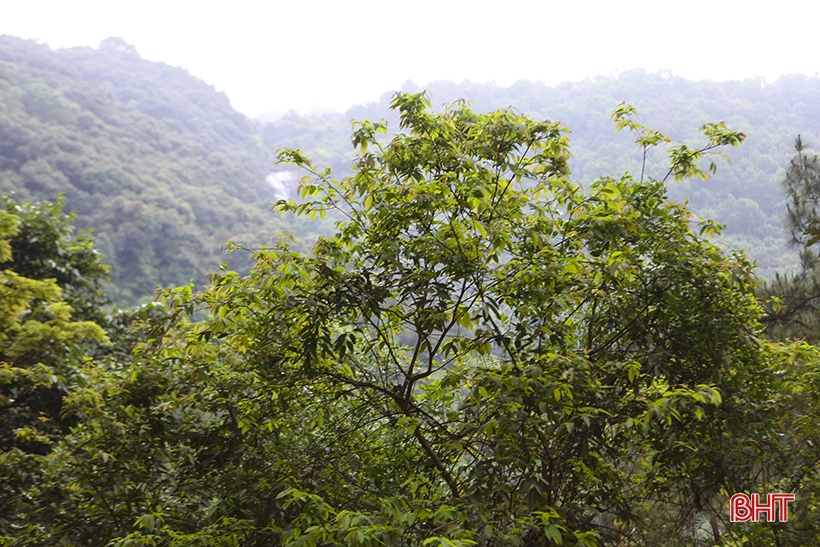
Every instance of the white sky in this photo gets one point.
(281, 55)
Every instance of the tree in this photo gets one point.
(792, 300)
(792, 313)
(41, 342)
(44, 247)
(52, 298)
(484, 353)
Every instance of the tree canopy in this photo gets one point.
(744, 195)
(49, 313)
(484, 352)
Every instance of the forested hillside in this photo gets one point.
(511, 337)
(487, 353)
(165, 171)
(154, 160)
(186, 105)
(745, 194)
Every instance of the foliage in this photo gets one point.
(41, 341)
(165, 171)
(484, 353)
(44, 247)
(770, 114)
(788, 401)
(162, 197)
(802, 187)
(45, 271)
(792, 299)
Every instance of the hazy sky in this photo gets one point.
(277, 55)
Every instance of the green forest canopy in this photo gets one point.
(745, 194)
(485, 353)
(165, 173)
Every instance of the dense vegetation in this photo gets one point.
(165, 171)
(485, 352)
(503, 340)
(744, 195)
(164, 174)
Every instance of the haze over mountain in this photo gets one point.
(515, 336)
(154, 160)
(166, 171)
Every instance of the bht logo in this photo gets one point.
(743, 508)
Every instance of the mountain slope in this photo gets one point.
(163, 187)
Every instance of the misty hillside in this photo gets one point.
(188, 106)
(154, 160)
(165, 171)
